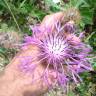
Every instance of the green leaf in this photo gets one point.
(71, 93)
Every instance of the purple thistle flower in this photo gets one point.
(59, 52)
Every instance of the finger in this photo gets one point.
(47, 25)
(50, 20)
(13, 68)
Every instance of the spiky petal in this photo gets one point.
(67, 57)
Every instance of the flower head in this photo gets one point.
(62, 52)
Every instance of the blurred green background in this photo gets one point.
(17, 15)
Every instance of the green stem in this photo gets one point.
(12, 14)
(22, 3)
(87, 39)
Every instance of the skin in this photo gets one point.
(14, 82)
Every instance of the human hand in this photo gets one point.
(18, 83)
